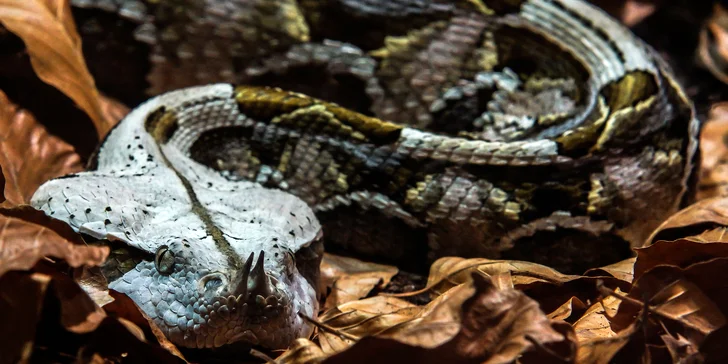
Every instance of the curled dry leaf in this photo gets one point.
(679, 253)
(28, 235)
(29, 155)
(713, 177)
(574, 307)
(351, 279)
(692, 220)
(448, 272)
(623, 270)
(49, 33)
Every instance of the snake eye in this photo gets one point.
(164, 260)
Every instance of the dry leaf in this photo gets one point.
(623, 270)
(448, 272)
(28, 235)
(501, 325)
(93, 282)
(692, 220)
(713, 180)
(123, 307)
(472, 322)
(713, 43)
(572, 307)
(629, 12)
(602, 350)
(49, 318)
(680, 299)
(20, 312)
(357, 319)
(679, 253)
(595, 324)
(2, 185)
(351, 279)
(49, 33)
(437, 323)
(302, 351)
(681, 350)
(29, 155)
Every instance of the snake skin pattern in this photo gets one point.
(412, 129)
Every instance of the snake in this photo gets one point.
(400, 130)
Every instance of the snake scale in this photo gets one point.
(410, 129)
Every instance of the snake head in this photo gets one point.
(211, 260)
(193, 296)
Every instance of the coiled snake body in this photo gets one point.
(532, 130)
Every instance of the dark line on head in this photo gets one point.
(161, 136)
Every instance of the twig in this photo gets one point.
(261, 355)
(328, 328)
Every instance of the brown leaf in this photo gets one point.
(49, 33)
(2, 185)
(93, 282)
(681, 350)
(623, 270)
(28, 235)
(601, 350)
(20, 312)
(692, 220)
(713, 175)
(112, 109)
(679, 253)
(357, 319)
(302, 351)
(594, 324)
(472, 322)
(351, 279)
(123, 307)
(686, 301)
(713, 43)
(439, 321)
(29, 155)
(501, 325)
(629, 12)
(49, 318)
(448, 272)
(572, 307)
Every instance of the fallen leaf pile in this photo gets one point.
(667, 304)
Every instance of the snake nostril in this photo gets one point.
(212, 282)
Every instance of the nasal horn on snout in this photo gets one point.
(254, 282)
